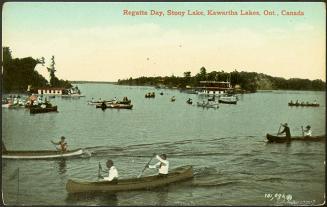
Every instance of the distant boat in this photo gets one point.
(272, 138)
(75, 95)
(39, 109)
(189, 101)
(172, 99)
(92, 102)
(228, 99)
(303, 104)
(208, 104)
(114, 106)
(150, 95)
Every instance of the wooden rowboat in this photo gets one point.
(114, 106)
(272, 138)
(175, 175)
(41, 154)
(38, 109)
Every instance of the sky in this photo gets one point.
(97, 42)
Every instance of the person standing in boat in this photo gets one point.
(113, 173)
(162, 165)
(286, 130)
(307, 132)
(62, 143)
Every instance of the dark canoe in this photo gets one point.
(175, 175)
(35, 110)
(300, 104)
(272, 138)
(41, 154)
(150, 95)
(227, 102)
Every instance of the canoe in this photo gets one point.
(228, 99)
(214, 105)
(35, 110)
(120, 106)
(41, 154)
(272, 138)
(301, 104)
(175, 175)
(114, 106)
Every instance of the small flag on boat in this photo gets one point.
(14, 175)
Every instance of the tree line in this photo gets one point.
(248, 81)
(18, 73)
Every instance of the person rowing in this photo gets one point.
(112, 172)
(307, 132)
(62, 143)
(286, 130)
(162, 165)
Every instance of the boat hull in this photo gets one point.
(175, 175)
(36, 110)
(42, 154)
(279, 139)
(307, 105)
(115, 106)
(227, 102)
(208, 105)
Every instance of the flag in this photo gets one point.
(14, 175)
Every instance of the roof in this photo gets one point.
(48, 88)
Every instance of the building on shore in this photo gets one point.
(46, 90)
(214, 88)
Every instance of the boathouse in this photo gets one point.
(48, 91)
(214, 87)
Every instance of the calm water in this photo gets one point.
(233, 164)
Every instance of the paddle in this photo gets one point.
(279, 129)
(145, 166)
(99, 171)
(302, 131)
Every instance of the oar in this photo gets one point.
(302, 131)
(99, 171)
(145, 167)
(279, 128)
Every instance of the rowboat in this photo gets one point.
(208, 104)
(304, 104)
(74, 95)
(228, 99)
(114, 106)
(92, 102)
(41, 154)
(39, 109)
(175, 175)
(272, 138)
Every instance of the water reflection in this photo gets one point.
(162, 195)
(98, 198)
(62, 167)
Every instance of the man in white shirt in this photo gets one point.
(113, 173)
(307, 132)
(162, 165)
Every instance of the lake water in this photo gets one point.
(232, 162)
